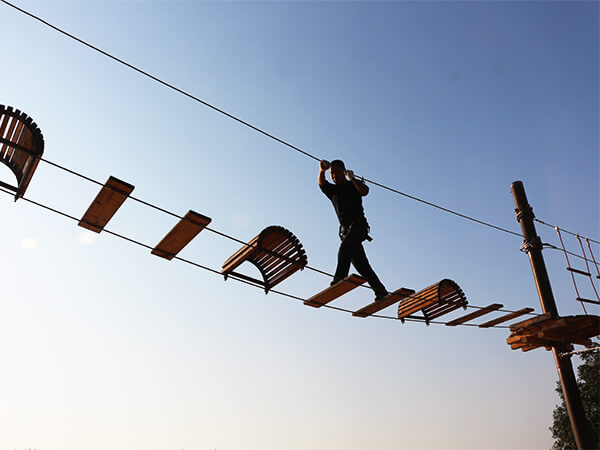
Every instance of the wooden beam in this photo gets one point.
(181, 235)
(335, 291)
(105, 205)
(474, 315)
(506, 318)
(386, 301)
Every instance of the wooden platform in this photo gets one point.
(433, 301)
(337, 290)
(388, 300)
(181, 235)
(105, 205)
(275, 252)
(544, 331)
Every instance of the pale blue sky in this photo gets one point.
(106, 346)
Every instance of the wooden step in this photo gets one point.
(181, 235)
(475, 315)
(386, 301)
(335, 291)
(105, 205)
(506, 318)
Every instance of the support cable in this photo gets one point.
(243, 122)
(593, 258)
(579, 351)
(232, 238)
(209, 269)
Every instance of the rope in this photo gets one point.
(569, 266)
(588, 269)
(214, 271)
(579, 351)
(232, 238)
(592, 254)
(243, 122)
(564, 231)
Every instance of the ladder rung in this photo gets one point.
(579, 299)
(580, 272)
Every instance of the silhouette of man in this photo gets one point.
(346, 197)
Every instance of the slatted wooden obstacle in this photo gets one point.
(21, 147)
(105, 205)
(544, 331)
(276, 253)
(180, 235)
(434, 301)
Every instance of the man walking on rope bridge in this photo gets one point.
(346, 197)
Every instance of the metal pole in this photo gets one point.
(532, 244)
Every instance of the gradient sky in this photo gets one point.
(105, 346)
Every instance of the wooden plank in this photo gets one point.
(181, 235)
(474, 315)
(335, 291)
(411, 306)
(283, 275)
(386, 301)
(580, 272)
(240, 256)
(579, 299)
(105, 205)
(506, 318)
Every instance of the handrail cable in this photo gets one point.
(247, 124)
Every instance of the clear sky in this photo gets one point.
(106, 346)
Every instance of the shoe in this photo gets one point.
(335, 281)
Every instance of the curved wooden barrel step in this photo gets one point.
(276, 253)
(386, 301)
(21, 147)
(105, 205)
(433, 301)
(544, 331)
(337, 290)
(180, 235)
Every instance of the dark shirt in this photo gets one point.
(347, 202)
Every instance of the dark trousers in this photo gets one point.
(351, 250)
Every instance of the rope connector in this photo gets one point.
(534, 243)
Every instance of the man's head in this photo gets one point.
(337, 169)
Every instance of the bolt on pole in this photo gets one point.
(532, 244)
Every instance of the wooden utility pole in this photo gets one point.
(532, 244)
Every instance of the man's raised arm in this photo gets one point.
(323, 166)
(360, 186)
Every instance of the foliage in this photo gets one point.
(588, 381)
